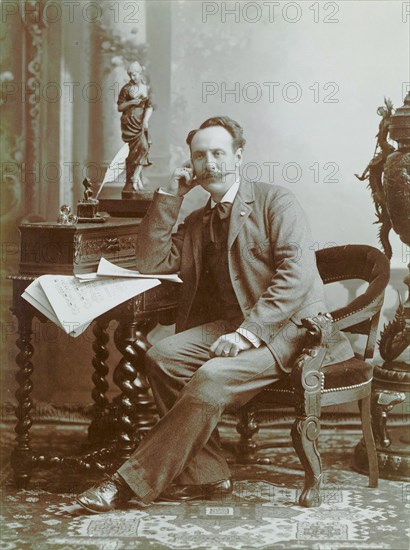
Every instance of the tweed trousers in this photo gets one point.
(191, 391)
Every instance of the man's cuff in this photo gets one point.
(252, 338)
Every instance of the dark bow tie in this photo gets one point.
(221, 211)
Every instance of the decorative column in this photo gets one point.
(34, 27)
(21, 55)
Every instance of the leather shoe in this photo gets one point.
(106, 496)
(197, 492)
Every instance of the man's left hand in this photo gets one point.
(229, 345)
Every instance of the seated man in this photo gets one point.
(249, 276)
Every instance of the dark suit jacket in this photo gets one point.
(272, 265)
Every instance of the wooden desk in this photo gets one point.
(117, 427)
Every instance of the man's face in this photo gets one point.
(214, 160)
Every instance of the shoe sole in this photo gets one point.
(94, 511)
(205, 496)
(78, 501)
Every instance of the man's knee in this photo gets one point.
(155, 357)
(162, 358)
(209, 385)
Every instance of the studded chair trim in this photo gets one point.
(343, 388)
(322, 389)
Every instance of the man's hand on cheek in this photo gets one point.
(229, 345)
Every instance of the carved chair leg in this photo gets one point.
(305, 431)
(247, 427)
(364, 407)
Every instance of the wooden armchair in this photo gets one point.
(309, 387)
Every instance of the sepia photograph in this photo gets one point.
(205, 274)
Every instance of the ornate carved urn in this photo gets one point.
(397, 173)
(388, 174)
(395, 338)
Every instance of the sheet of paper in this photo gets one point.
(36, 292)
(42, 304)
(107, 269)
(73, 304)
(84, 277)
(41, 308)
(77, 303)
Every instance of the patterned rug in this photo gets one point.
(261, 513)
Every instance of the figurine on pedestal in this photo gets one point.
(388, 174)
(87, 207)
(134, 102)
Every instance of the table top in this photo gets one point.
(110, 222)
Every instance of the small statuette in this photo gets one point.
(87, 207)
(65, 217)
(135, 104)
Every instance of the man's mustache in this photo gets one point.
(213, 174)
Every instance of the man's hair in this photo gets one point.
(230, 126)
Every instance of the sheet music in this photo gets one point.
(107, 269)
(73, 304)
(37, 298)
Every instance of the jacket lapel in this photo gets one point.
(241, 209)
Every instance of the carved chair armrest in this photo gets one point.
(306, 374)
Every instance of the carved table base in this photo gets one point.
(117, 427)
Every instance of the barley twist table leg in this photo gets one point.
(22, 455)
(96, 431)
(135, 406)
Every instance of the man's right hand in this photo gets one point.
(182, 180)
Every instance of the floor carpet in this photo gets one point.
(261, 513)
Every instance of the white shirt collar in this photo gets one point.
(230, 194)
